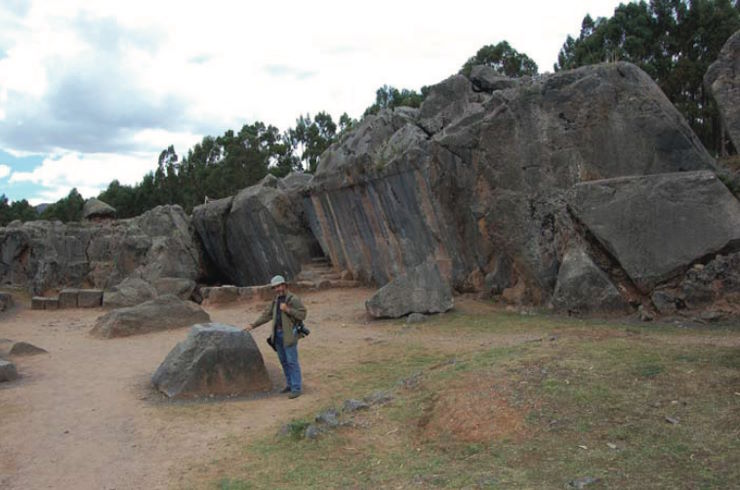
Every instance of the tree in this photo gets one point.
(346, 123)
(674, 41)
(66, 209)
(23, 211)
(312, 137)
(387, 97)
(124, 198)
(502, 58)
(5, 214)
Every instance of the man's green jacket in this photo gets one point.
(295, 313)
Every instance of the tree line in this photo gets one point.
(674, 41)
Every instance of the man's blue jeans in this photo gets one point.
(289, 360)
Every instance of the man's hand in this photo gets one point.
(248, 328)
(283, 307)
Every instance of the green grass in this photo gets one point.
(594, 401)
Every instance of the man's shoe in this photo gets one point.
(285, 390)
(294, 394)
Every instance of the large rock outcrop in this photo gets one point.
(162, 313)
(214, 360)
(723, 82)
(479, 175)
(46, 255)
(258, 233)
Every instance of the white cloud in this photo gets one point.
(89, 173)
(106, 85)
(4, 171)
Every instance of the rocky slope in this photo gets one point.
(47, 256)
(482, 182)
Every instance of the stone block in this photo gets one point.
(51, 303)
(6, 301)
(90, 298)
(68, 298)
(37, 303)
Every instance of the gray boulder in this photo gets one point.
(718, 280)
(420, 290)
(179, 286)
(294, 182)
(25, 349)
(723, 81)
(162, 313)
(447, 102)
(258, 233)
(45, 256)
(8, 371)
(97, 209)
(214, 360)
(131, 291)
(657, 226)
(486, 79)
(583, 288)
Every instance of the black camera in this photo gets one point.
(302, 330)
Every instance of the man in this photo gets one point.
(285, 311)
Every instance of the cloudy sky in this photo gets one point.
(92, 91)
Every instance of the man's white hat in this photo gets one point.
(277, 281)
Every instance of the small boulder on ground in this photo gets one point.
(163, 313)
(582, 287)
(131, 291)
(214, 360)
(179, 286)
(421, 290)
(7, 371)
(25, 349)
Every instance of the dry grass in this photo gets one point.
(632, 406)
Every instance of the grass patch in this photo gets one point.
(632, 406)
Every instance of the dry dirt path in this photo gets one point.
(84, 416)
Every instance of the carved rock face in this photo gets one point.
(258, 233)
(482, 178)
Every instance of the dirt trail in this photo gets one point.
(84, 415)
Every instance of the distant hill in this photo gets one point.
(40, 207)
